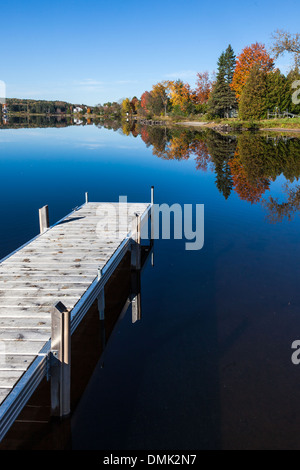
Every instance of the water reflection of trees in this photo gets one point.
(221, 150)
(278, 211)
(260, 160)
(37, 121)
(245, 164)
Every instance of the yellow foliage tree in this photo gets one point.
(181, 94)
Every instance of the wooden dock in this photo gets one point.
(46, 288)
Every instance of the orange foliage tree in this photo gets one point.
(255, 54)
(144, 100)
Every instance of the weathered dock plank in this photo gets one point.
(15, 362)
(24, 323)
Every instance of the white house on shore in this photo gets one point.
(77, 109)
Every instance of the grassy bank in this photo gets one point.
(293, 123)
(236, 124)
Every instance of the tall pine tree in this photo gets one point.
(222, 99)
(230, 63)
(226, 65)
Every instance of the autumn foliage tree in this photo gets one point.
(256, 54)
(203, 87)
(134, 104)
(150, 103)
(126, 107)
(161, 91)
(144, 100)
(180, 94)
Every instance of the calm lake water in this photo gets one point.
(209, 365)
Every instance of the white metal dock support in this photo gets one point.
(60, 361)
(44, 218)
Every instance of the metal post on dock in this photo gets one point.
(60, 361)
(152, 195)
(86, 198)
(44, 218)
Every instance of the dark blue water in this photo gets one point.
(209, 366)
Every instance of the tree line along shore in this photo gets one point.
(246, 92)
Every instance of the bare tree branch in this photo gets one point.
(286, 42)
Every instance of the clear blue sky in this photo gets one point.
(93, 51)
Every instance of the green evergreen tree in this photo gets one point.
(292, 77)
(226, 65)
(221, 66)
(222, 98)
(253, 102)
(278, 92)
(230, 63)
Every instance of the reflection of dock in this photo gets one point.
(46, 289)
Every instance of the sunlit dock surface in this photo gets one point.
(65, 268)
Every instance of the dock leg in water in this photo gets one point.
(60, 357)
(136, 305)
(136, 243)
(101, 305)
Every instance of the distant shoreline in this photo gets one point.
(221, 127)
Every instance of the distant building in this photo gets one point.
(77, 109)
(231, 113)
